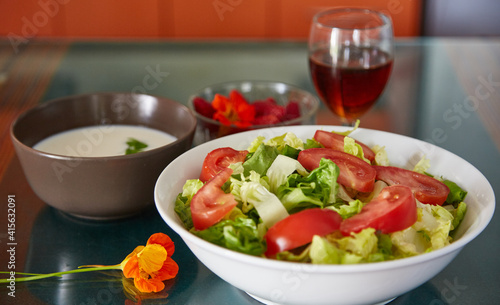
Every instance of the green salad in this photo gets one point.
(327, 200)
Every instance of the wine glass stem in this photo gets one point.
(349, 123)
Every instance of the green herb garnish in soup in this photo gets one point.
(134, 146)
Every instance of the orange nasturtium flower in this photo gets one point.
(152, 264)
(148, 265)
(233, 110)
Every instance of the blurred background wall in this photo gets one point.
(242, 19)
(201, 19)
(461, 18)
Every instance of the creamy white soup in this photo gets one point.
(102, 140)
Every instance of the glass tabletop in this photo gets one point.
(443, 91)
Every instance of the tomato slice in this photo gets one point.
(354, 172)
(210, 204)
(394, 209)
(336, 141)
(298, 229)
(427, 189)
(219, 159)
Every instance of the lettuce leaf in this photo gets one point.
(269, 207)
(236, 182)
(319, 188)
(280, 169)
(456, 195)
(295, 199)
(261, 160)
(289, 138)
(182, 205)
(290, 256)
(353, 148)
(422, 166)
(361, 244)
(324, 252)
(311, 143)
(458, 213)
(346, 210)
(380, 155)
(325, 179)
(183, 209)
(384, 249)
(256, 143)
(354, 249)
(240, 234)
(348, 132)
(430, 232)
(191, 187)
(290, 152)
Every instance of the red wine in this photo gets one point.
(352, 85)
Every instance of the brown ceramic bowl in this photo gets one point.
(100, 187)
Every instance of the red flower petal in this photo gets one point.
(218, 116)
(221, 103)
(131, 268)
(168, 271)
(163, 240)
(237, 97)
(151, 285)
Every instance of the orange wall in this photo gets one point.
(258, 19)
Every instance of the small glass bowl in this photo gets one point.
(208, 129)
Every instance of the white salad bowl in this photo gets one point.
(279, 282)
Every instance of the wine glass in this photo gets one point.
(350, 59)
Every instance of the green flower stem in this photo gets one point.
(47, 275)
(21, 273)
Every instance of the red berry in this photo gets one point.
(292, 111)
(203, 107)
(269, 106)
(267, 119)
